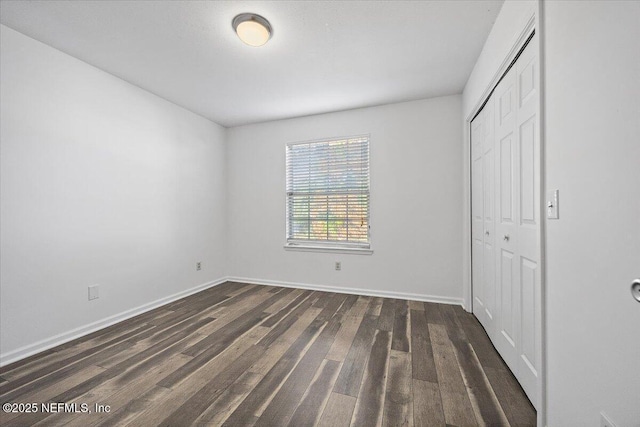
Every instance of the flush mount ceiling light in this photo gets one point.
(252, 29)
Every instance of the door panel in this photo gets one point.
(528, 283)
(477, 215)
(483, 217)
(529, 218)
(505, 175)
(489, 282)
(526, 79)
(507, 340)
(506, 219)
(487, 187)
(528, 212)
(506, 102)
(507, 300)
(488, 257)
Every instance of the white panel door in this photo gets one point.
(518, 219)
(506, 220)
(506, 339)
(483, 217)
(477, 215)
(528, 225)
(489, 190)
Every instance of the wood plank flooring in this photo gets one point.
(247, 355)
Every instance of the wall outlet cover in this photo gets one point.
(94, 292)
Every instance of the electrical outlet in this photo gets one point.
(198, 266)
(605, 421)
(94, 292)
(338, 266)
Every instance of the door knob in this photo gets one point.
(486, 232)
(635, 289)
(506, 237)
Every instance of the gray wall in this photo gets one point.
(416, 210)
(102, 183)
(593, 251)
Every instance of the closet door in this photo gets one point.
(506, 340)
(528, 225)
(506, 219)
(477, 216)
(483, 218)
(489, 190)
(518, 220)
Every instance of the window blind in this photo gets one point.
(328, 192)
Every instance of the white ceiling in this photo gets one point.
(323, 56)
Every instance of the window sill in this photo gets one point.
(328, 249)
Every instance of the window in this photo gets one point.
(328, 193)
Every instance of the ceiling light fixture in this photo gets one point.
(252, 29)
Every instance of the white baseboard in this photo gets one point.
(356, 291)
(31, 349)
(40, 346)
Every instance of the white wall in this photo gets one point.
(415, 164)
(101, 183)
(593, 251)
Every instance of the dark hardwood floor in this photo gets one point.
(248, 355)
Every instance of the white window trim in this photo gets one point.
(308, 247)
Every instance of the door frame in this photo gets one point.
(533, 25)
